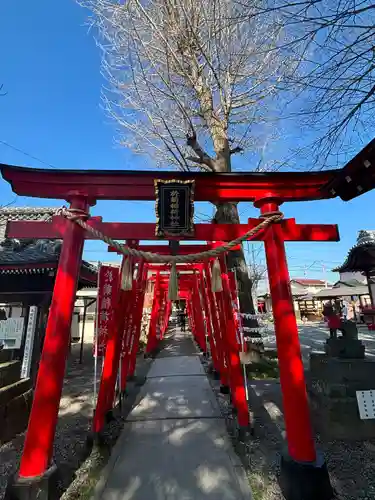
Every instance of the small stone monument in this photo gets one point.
(347, 346)
(334, 379)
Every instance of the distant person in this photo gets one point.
(182, 319)
(332, 318)
(328, 310)
(334, 323)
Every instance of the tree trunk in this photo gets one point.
(227, 213)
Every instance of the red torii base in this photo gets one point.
(302, 467)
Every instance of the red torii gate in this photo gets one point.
(82, 189)
(217, 322)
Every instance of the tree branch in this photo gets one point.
(235, 150)
(199, 162)
(203, 157)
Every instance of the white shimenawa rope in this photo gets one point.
(80, 216)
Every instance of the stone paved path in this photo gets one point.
(174, 445)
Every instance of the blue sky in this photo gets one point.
(50, 69)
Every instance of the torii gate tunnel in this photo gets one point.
(211, 314)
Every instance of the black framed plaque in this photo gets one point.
(174, 208)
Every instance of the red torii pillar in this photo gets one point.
(303, 473)
(234, 292)
(236, 379)
(126, 339)
(133, 317)
(152, 340)
(162, 312)
(225, 375)
(111, 359)
(208, 317)
(38, 447)
(189, 313)
(142, 269)
(200, 334)
(220, 368)
(292, 378)
(167, 314)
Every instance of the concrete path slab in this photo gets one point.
(177, 343)
(175, 397)
(176, 460)
(174, 445)
(179, 365)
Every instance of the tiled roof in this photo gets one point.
(24, 252)
(307, 282)
(361, 257)
(23, 213)
(29, 253)
(350, 283)
(15, 253)
(366, 237)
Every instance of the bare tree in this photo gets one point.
(191, 83)
(256, 267)
(333, 92)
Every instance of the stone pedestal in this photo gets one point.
(345, 348)
(332, 387)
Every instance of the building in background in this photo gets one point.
(306, 304)
(304, 291)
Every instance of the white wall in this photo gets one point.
(76, 330)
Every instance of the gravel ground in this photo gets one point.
(73, 425)
(75, 416)
(259, 453)
(351, 464)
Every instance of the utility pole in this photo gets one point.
(325, 275)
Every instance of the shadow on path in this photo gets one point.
(174, 445)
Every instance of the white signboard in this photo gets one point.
(29, 342)
(11, 332)
(366, 404)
